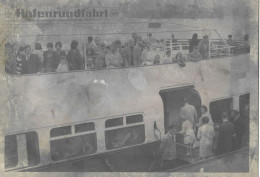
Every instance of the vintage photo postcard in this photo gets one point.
(128, 88)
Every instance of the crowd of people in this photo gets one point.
(134, 52)
(212, 139)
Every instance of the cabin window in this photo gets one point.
(220, 106)
(154, 25)
(84, 127)
(60, 131)
(114, 122)
(126, 136)
(75, 146)
(134, 119)
(18, 144)
(11, 154)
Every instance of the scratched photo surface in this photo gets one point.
(128, 88)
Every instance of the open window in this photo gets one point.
(79, 141)
(22, 150)
(130, 133)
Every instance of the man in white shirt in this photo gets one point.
(188, 112)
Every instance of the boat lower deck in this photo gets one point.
(142, 159)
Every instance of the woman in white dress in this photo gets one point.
(206, 135)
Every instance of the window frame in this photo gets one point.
(74, 134)
(124, 126)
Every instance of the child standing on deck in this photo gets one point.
(188, 133)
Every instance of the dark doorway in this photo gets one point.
(172, 102)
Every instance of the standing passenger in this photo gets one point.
(138, 48)
(239, 129)
(204, 47)
(205, 113)
(113, 58)
(51, 60)
(206, 135)
(63, 66)
(188, 112)
(91, 51)
(226, 134)
(167, 150)
(193, 42)
(38, 51)
(74, 58)
(127, 54)
(188, 133)
(100, 57)
(58, 46)
(32, 62)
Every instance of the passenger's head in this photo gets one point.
(234, 113)
(203, 109)
(229, 36)
(194, 36)
(126, 44)
(102, 45)
(38, 46)
(150, 34)
(205, 120)
(205, 37)
(184, 101)
(8, 47)
(224, 116)
(118, 43)
(50, 46)
(168, 53)
(131, 43)
(74, 44)
(172, 36)
(170, 129)
(21, 51)
(97, 40)
(90, 39)
(134, 36)
(27, 49)
(113, 47)
(58, 45)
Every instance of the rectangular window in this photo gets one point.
(154, 25)
(114, 122)
(60, 131)
(73, 147)
(122, 137)
(32, 147)
(11, 154)
(220, 106)
(134, 119)
(84, 127)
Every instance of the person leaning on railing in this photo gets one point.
(194, 55)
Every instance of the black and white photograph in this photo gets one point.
(129, 88)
